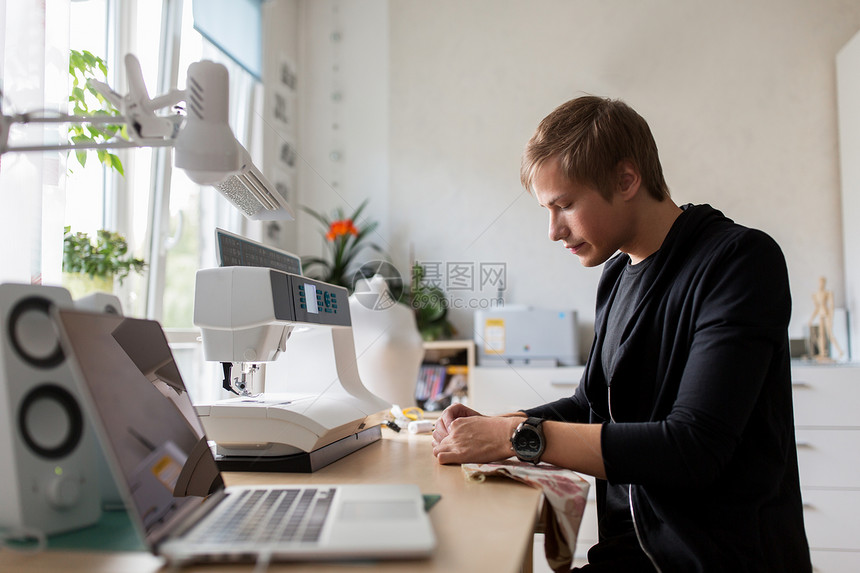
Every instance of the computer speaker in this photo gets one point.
(100, 302)
(48, 451)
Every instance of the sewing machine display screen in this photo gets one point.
(311, 292)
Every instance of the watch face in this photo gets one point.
(527, 443)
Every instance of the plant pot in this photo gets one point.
(81, 284)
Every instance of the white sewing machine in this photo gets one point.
(246, 315)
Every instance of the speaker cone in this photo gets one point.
(50, 421)
(32, 333)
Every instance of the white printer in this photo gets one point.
(526, 336)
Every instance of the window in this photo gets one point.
(193, 212)
(167, 219)
(185, 216)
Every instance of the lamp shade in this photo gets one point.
(206, 148)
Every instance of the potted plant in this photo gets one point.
(430, 306)
(84, 100)
(92, 265)
(345, 237)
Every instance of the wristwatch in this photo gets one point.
(528, 441)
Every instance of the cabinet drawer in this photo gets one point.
(829, 458)
(496, 390)
(835, 561)
(830, 517)
(826, 396)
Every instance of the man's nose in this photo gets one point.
(557, 228)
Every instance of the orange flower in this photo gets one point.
(340, 228)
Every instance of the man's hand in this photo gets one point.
(462, 435)
(451, 413)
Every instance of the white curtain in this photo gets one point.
(34, 46)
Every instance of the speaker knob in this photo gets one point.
(64, 490)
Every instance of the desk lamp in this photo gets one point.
(206, 148)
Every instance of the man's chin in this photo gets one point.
(592, 260)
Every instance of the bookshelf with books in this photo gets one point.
(445, 374)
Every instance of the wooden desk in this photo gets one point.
(479, 526)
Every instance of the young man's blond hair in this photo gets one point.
(591, 135)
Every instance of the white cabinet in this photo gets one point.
(500, 389)
(827, 428)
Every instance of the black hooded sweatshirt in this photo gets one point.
(697, 416)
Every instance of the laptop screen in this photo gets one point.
(151, 428)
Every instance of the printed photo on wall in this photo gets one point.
(284, 182)
(283, 103)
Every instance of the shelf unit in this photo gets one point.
(437, 350)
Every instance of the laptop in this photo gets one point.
(173, 490)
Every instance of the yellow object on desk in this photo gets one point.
(414, 413)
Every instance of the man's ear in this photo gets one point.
(629, 181)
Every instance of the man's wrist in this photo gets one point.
(513, 422)
(528, 440)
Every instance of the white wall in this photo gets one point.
(343, 107)
(848, 85)
(741, 97)
(281, 34)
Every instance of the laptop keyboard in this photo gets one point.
(269, 516)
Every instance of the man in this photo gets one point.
(684, 411)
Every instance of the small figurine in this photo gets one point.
(821, 334)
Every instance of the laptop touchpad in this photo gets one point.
(370, 510)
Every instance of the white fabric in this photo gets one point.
(34, 46)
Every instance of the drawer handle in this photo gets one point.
(563, 383)
(805, 446)
(800, 385)
(809, 506)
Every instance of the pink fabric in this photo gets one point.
(565, 493)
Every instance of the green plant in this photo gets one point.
(344, 240)
(430, 306)
(86, 101)
(106, 256)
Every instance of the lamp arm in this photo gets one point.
(120, 144)
(169, 99)
(63, 118)
(6, 121)
(107, 92)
